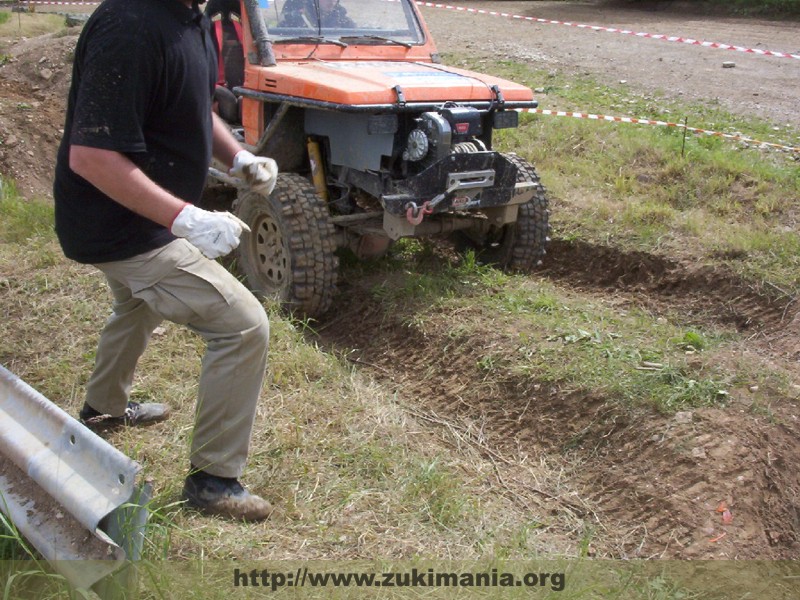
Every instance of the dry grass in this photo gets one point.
(354, 473)
(19, 25)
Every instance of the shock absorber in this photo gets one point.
(317, 169)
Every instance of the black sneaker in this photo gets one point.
(135, 414)
(224, 496)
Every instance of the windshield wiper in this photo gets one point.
(374, 38)
(309, 39)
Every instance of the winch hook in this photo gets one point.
(415, 214)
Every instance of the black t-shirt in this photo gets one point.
(142, 82)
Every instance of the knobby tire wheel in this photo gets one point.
(518, 246)
(289, 254)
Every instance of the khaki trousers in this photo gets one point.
(179, 284)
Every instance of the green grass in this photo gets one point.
(22, 220)
(569, 342)
(435, 490)
(20, 25)
(12, 545)
(25, 574)
(354, 475)
(331, 448)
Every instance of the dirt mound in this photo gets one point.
(43, 63)
(34, 85)
(700, 293)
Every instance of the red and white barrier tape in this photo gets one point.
(58, 3)
(731, 136)
(654, 36)
(641, 34)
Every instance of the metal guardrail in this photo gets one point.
(68, 492)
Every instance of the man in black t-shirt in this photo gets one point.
(138, 139)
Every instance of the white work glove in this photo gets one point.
(215, 234)
(259, 172)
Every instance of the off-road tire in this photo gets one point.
(518, 246)
(289, 255)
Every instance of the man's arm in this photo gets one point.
(224, 145)
(119, 178)
(215, 234)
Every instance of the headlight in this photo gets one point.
(417, 146)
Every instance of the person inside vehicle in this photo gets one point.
(304, 13)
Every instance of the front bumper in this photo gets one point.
(462, 183)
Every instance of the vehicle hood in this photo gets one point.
(376, 82)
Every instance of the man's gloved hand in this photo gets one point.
(215, 234)
(259, 172)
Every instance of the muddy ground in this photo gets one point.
(649, 485)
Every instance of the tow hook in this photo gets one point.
(415, 214)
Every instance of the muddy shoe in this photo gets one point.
(224, 496)
(135, 414)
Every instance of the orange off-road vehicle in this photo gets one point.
(375, 140)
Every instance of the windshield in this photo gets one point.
(334, 19)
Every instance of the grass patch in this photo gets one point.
(22, 220)
(25, 574)
(28, 24)
(351, 473)
(569, 341)
(435, 491)
(12, 545)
